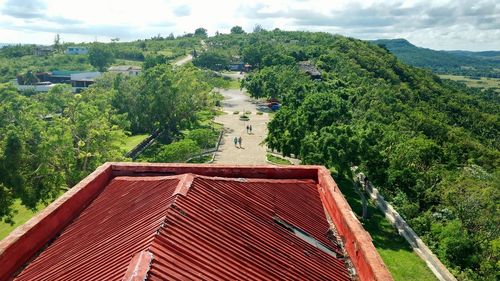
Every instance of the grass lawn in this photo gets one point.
(127, 62)
(132, 141)
(277, 160)
(202, 159)
(21, 217)
(397, 254)
(234, 84)
(475, 83)
(166, 52)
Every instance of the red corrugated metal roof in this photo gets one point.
(100, 243)
(196, 228)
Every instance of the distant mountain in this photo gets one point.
(485, 64)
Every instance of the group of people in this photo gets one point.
(237, 140)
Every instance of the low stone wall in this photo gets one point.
(138, 149)
(210, 150)
(439, 270)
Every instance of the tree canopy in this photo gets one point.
(100, 56)
(202, 32)
(430, 145)
(237, 30)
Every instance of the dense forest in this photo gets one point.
(430, 145)
(472, 64)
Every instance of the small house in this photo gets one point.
(43, 51)
(310, 69)
(80, 81)
(236, 66)
(76, 50)
(130, 70)
(62, 76)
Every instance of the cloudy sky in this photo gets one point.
(438, 24)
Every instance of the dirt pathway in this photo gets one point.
(183, 60)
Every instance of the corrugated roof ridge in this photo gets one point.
(185, 182)
(140, 264)
(138, 267)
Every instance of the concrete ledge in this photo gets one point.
(357, 242)
(420, 248)
(225, 170)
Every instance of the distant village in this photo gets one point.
(79, 80)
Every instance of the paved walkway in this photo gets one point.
(252, 151)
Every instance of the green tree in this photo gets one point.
(258, 28)
(57, 43)
(169, 99)
(30, 78)
(237, 30)
(100, 56)
(201, 32)
(178, 151)
(204, 138)
(50, 142)
(215, 60)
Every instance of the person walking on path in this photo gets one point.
(235, 140)
(239, 141)
(250, 127)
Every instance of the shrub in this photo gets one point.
(178, 151)
(204, 138)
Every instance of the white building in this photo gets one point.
(38, 87)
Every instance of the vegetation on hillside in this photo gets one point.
(430, 145)
(472, 64)
(19, 59)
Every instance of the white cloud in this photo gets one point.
(444, 24)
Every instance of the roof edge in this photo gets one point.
(357, 241)
(216, 170)
(26, 240)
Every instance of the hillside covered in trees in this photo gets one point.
(430, 145)
(473, 64)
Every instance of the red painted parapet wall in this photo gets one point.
(357, 242)
(26, 240)
(22, 244)
(215, 170)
